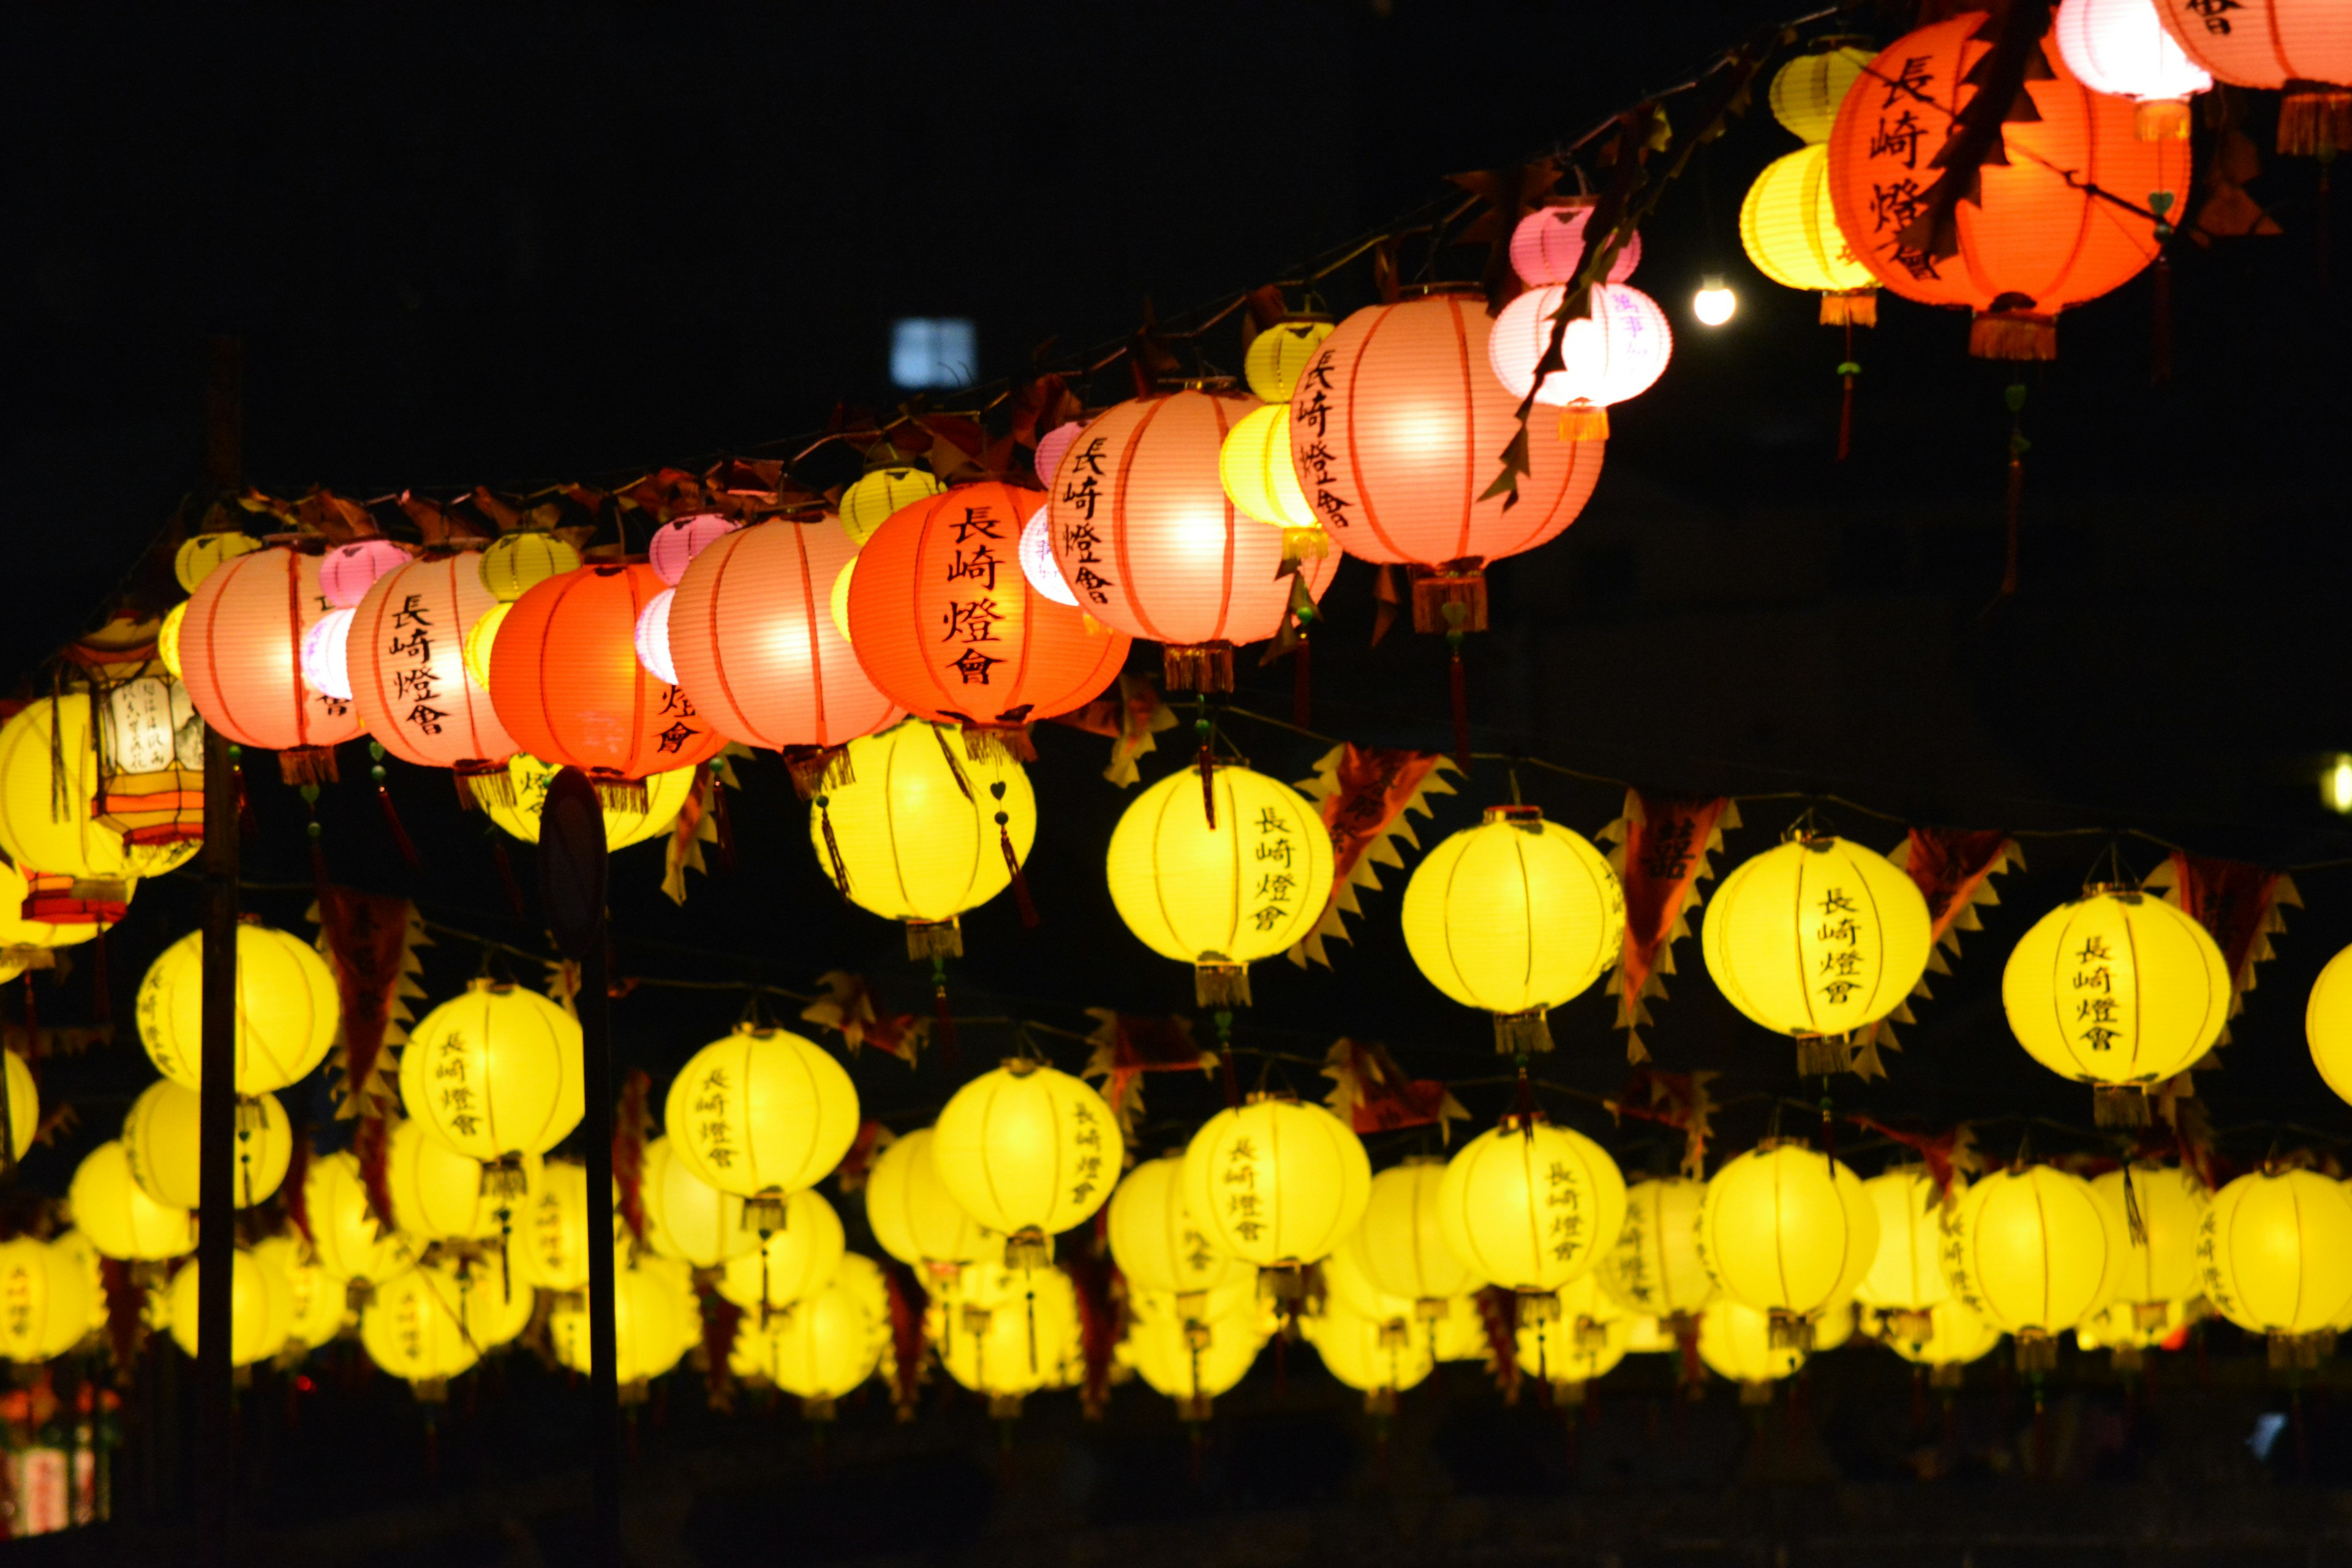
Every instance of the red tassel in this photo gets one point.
(833, 849)
(298, 1207)
(943, 1029)
(1208, 785)
(907, 1303)
(1020, 882)
(126, 1313)
(399, 833)
(1460, 682)
(506, 874)
(1302, 687)
(721, 1320)
(629, 1152)
(719, 820)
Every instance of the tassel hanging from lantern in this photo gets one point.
(2015, 497)
(1197, 667)
(391, 813)
(818, 769)
(615, 794)
(308, 766)
(998, 743)
(1012, 861)
(2014, 335)
(833, 853)
(483, 784)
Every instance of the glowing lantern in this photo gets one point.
(566, 683)
(2276, 1251)
(21, 1107)
(762, 1114)
(1029, 1151)
(2327, 1023)
(409, 674)
(1530, 1207)
(480, 639)
(1788, 1232)
(1280, 354)
(1222, 887)
(1276, 1182)
(345, 1237)
(159, 1139)
(947, 626)
(917, 1221)
(2158, 1270)
(1188, 1360)
(1547, 245)
(196, 558)
(1015, 1349)
(1806, 93)
(495, 1302)
(287, 1009)
(515, 563)
(1577, 1337)
(1906, 1276)
(31, 943)
(1037, 564)
(1789, 226)
(414, 1328)
(1943, 1339)
(167, 639)
(924, 827)
(652, 637)
(1396, 439)
(626, 822)
(2128, 1331)
(120, 1219)
(1739, 1343)
(2118, 990)
(240, 648)
(1157, 1243)
(687, 1218)
(46, 1304)
(1254, 465)
(2301, 48)
(2121, 46)
(676, 544)
(315, 1298)
(551, 1233)
(2037, 235)
(1053, 444)
(52, 776)
(2031, 1252)
(1142, 529)
(326, 655)
(439, 1194)
(151, 761)
(494, 1075)
(824, 1346)
(756, 646)
(346, 571)
(1616, 352)
(1654, 1269)
(1514, 917)
(880, 492)
(795, 1262)
(655, 1322)
(1347, 1284)
(1820, 938)
(1380, 1359)
(261, 1308)
(1402, 1239)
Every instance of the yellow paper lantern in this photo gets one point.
(495, 1302)
(1589, 1335)
(120, 1219)
(624, 822)
(1654, 1270)
(413, 1328)
(551, 1236)
(1945, 1338)
(514, 563)
(762, 1114)
(1348, 1284)
(868, 503)
(1254, 465)
(194, 560)
(87, 1259)
(1189, 1359)
(1819, 939)
(439, 1194)
(1280, 354)
(1220, 896)
(159, 1139)
(2129, 1330)
(687, 1218)
(1788, 225)
(2118, 990)
(2031, 1251)
(494, 1075)
(261, 1308)
(1787, 1232)
(917, 1221)
(825, 1345)
(1530, 1207)
(1402, 1237)
(2159, 1269)
(45, 1302)
(167, 637)
(792, 1263)
(1276, 1183)
(1739, 1343)
(2327, 1023)
(1029, 1151)
(287, 1009)
(1806, 93)
(346, 1238)
(2275, 1254)
(654, 1321)
(480, 637)
(1462, 1333)
(1157, 1243)
(316, 1299)
(1380, 1359)
(49, 779)
(1907, 1273)
(24, 1104)
(1514, 917)
(1017, 1347)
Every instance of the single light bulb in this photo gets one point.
(2336, 784)
(1714, 303)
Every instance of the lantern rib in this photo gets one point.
(2041, 1221)
(1470, 433)
(890, 828)
(1355, 461)
(815, 633)
(294, 644)
(735, 709)
(1225, 504)
(1797, 941)
(1131, 444)
(2139, 985)
(1878, 979)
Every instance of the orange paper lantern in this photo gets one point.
(241, 660)
(2302, 48)
(406, 658)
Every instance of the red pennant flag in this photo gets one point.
(1130, 720)
(1372, 1094)
(1128, 1044)
(631, 1121)
(2239, 905)
(908, 1349)
(1953, 870)
(1662, 847)
(1100, 1327)
(1676, 1100)
(858, 1164)
(1364, 794)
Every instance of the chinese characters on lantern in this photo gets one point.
(1278, 870)
(714, 1129)
(1088, 1141)
(1843, 969)
(1080, 540)
(1317, 461)
(970, 625)
(2097, 1009)
(1632, 1272)
(2214, 14)
(415, 683)
(1895, 145)
(1563, 1209)
(452, 1080)
(677, 708)
(1244, 1216)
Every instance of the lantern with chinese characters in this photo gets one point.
(414, 1328)
(626, 822)
(1190, 1360)
(1819, 939)
(1029, 1151)
(1615, 351)
(566, 683)
(2301, 48)
(514, 563)
(918, 1222)
(494, 1075)
(752, 638)
(406, 658)
(878, 493)
(1788, 1232)
(45, 1302)
(240, 658)
(551, 1239)
(2039, 231)
(1789, 226)
(2118, 990)
(1380, 1359)
(762, 1114)
(2275, 1251)
(1739, 1343)
(439, 1194)
(795, 1261)
(1906, 1274)
(2121, 46)
(345, 1236)
(1514, 917)
(317, 1298)
(151, 762)
(1276, 1183)
(1530, 1207)
(159, 1139)
(947, 626)
(687, 1218)
(825, 1345)
(1654, 1269)
(261, 1308)
(1397, 438)
(51, 779)
(1157, 1243)
(196, 557)
(1547, 246)
(118, 1218)
(1402, 1237)
(2158, 1270)
(1144, 533)
(2031, 1251)
(1015, 1348)
(287, 1009)
(1222, 882)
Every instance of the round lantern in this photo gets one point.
(52, 776)
(480, 639)
(1616, 352)
(1015, 1349)
(1347, 1284)
(1907, 1273)
(21, 1108)
(2128, 1331)
(1189, 1360)
(326, 655)
(923, 827)
(755, 646)
(795, 1262)
(515, 563)
(2158, 1270)
(1788, 1232)
(762, 1114)
(261, 1308)
(1157, 1243)
(2118, 990)
(45, 1303)
(120, 1219)
(2327, 1023)
(1578, 1334)
(240, 648)
(1276, 1182)
(287, 1009)
(2121, 46)
(1806, 93)
(2299, 48)
(1404, 1238)
(1789, 226)
(1943, 1339)
(1397, 440)
(654, 1321)
(687, 1218)
(1818, 938)
(2031, 1252)
(1530, 1207)
(824, 1346)
(1277, 356)
(494, 1075)
(1144, 531)
(438, 1194)
(167, 637)
(345, 1236)
(1223, 883)
(869, 503)
(626, 821)
(1514, 917)
(196, 557)
(346, 571)
(495, 1302)
(1547, 245)
(1654, 1269)
(1380, 1359)
(2037, 235)
(551, 1232)
(2276, 1253)
(1745, 1346)
(1029, 1151)
(317, 1300)
(159, 1139)
(566, 683)
(1254, 465)
(414, 1330)
(1037, 564)
(676, 544)
(406, 658)
(1052, 445)
(918, 1222)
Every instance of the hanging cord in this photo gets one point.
(2014, 396)
(833, 847)
(1204, 732)
(2159, 336)
(1848, 369)
(1458, 682)
(384, 798)
(943, 1027)
(1013, 862)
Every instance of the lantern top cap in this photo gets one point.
(1527, 817)
(1766, 1146)
(1270, 1096)
(490, 983)
(1522, 1122)
(1019, 1067)
(1172, 384)
(1440, 290)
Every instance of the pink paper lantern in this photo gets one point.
(676, 544)
(348, 571)
(1549, 246)
(1616, 353)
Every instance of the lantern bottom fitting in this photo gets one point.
(1849, 307)
(1005, 1407)
(1380, 1402)
(1590, 1335)
(2014, 335)
(817, 1409)
(2314, 116)
(2036, 1351)
(2301, 1352)
(483, 784)
(1913, 1328)
(300, 765)
(1197, 667)
(359, 1295)
(1285, 1283)
(504, 1178)
(1432, 1309)
(1196, 1408)
(818, 769)
(2120, 1105)
(1755, 1393)
(62, 900)
(2148, 1315)
(934, 939)
(2161, 119)
(1946, 1375)
(1303, 544)
(1568, 1391)
(1538, 1306)
(1584, 420)
(1527, 1034)
(635, 1392)
(1216, 983)
(431, 1390)
(2126, 1359)
(615, 793)
(998, 743)
(1029, 1248)
(764, 1212)
(1787, 1331)
(1394, 1336)
(1820, 1056)
(1459, 586)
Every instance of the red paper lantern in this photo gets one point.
(1398, 430)
(2041, 237)
(565, 680)
(752, 638)
(946, 624)
(241, 660)
(406, 659)
(2301, 48)
(1142, 529)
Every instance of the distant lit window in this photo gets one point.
(932, 351)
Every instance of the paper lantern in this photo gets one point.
(261, 1308)
(159, 1141)
(2301, 48)
(1943, 1339)
(824, 1346)
(1254, 465)
(167, 639)
(480, 639)
(346, 1238)
(2129, 1332)
(2031, 1252)
(346, 571)
(1743, 1345)
(1348, 1284)
(1402, 1235)
(45, 1302)
(440, 1194)
(1037, 564)
(1789, 226)
(1276, 1182)
(565, 680)
(494, 1076)
(27, 942)
(795, 1262)
(2121, 46)
(21, 1109)
(2327, 1023)
(2037, 235)
(2118, 990)
(1530, 1207)
(326, 655)
(917, 1221)
(1052, 445)
(1514, 917)
(1654, 1269)
(1806, 93)
(414, 1330)
(1219, 888)
(1029, 1151)
(409, 675)
(762, 1114)
(240, 648)
(514, 563)
(755, 644)
(1579, 1334)
(1188, 1359)
(923, 827)
(655, 1322)
(550, 1248)
(1907, 1275)
(289, 1010)
(494, 1300)
(626, 821)
(1787, 1232)
(1615, 352)
(1009, 1350)
(1819, 939)
(1144, 531)
(195, 559)
(675, 544)
(120, 1219)
(316, 1299)
(151, 763)
(947, 626)
(877, 494)
(1380, 1359)
(2275, 1251)
(2158, 1270)
(1157, 1243)
(52, 779)
(651, 638)
(687, 1218)
(1280, 354)
(1547, 245)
